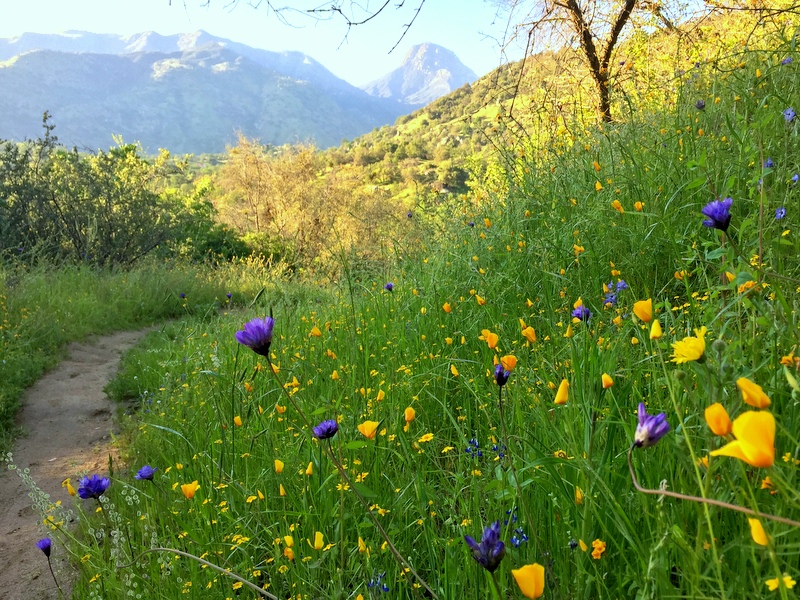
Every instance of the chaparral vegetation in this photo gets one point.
(559, 363)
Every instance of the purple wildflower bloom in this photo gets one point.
(45, 545)
(582, 313)
(229, 295)
(491, 550)
(326, 429)
(700, 104)
(621, 285)
(650, 429)
(795, 178)
(182, 295)
(787, 60)
(610, 299)
(146, 473)
(471, 223)
(501, 375)
(780, 213)
(789, 114)
(257, 335)
(389, 286)
(768, 164)
(718, 213)
(93, 487)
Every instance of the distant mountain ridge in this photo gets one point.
(428, 72)
(190, 93)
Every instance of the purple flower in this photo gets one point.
(780, 213)
(92, 487)
(621, 285)
(326, 429)
(650, 429)
(257, 335)
(718, 213)
(491, 550)
(409, 215)
(471, 223)
(45, 545)
(229, 295)
(700, 104)
(795, 177)
(768, 164)
(146, 473)
(787, 60)
(182, 295)
(389, 287)
(501, 375)
(582, 313)
(789, 114)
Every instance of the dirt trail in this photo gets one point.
(68, 422)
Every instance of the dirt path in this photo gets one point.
(68, 421)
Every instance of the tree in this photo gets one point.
(595, 26)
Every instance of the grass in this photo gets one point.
(244, 485)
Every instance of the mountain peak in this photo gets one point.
(428, 72)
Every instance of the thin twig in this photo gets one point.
(720, 503)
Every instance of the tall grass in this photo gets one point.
(243, 484)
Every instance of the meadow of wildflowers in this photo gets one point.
(584, 386)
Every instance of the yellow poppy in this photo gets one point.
(189, 489)
(237, 420)
(752, 393)
(718, 420)
(509, 362)
(278, 466)
(490, 338)
(760, 536)
(319, 541)
(315, 332)
(617, 206)
(369, 429)
(409, 414)
(644, 310)
(607, 381)
(755, 439)
(562, 395)
(446, 307)
(655, 330)
(530, 580)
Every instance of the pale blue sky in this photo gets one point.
(473, 29)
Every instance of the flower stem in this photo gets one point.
(249, 584)
(60, 591)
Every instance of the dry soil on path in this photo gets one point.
(68, 423)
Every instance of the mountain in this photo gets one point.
(428, 72)
(190, 93)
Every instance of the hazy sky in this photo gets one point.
(473, 29)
